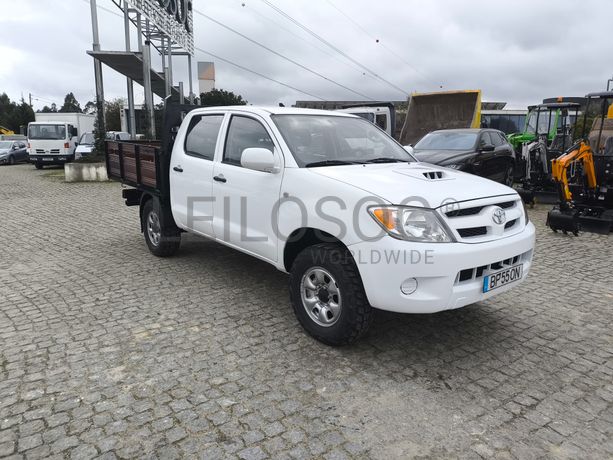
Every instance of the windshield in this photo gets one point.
(5, 145)
(47, 132)
(326, 138)
(87, 139)
(543, 121)
(447, 140)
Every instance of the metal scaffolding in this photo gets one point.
(162, 29)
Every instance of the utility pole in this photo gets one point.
(130, 85)
(97, 68)
(30, 97)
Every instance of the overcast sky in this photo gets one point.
(519, 52)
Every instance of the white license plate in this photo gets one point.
(502, 277)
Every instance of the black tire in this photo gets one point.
(508, 176)
(355, 314)
(169, 239)
(11, 160)
(38, 165)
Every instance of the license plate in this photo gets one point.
(502, 278)
(48, 159)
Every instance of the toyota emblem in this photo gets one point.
(499, 216)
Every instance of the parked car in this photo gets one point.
(85, 146)
(12, 152)
(334, 201)
(118, 136)
(484, 152)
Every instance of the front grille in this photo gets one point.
(472, 232)
(40, 151)
(52, 151)
(510, 223)
(477, 209)
(470, 274)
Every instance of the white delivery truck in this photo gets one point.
(52, 137)
(356, 221)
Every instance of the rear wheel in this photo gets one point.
(161, 241)
(328, 296)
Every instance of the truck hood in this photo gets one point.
(415, 184)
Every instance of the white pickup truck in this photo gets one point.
(335, 202)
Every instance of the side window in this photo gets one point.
(485, 139)
(244, 133)
(496, 139)
(22, 145)
(381, 121)
(202, 135)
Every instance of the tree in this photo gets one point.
(15, 116)
(221, 97)
(71, 105)
(90, 108)
(47, 109)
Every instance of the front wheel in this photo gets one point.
(158, 239)
(327, 295)
(508, 176)
(38, 165)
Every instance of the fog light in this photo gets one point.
(408, 286)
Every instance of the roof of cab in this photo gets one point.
(272, 110)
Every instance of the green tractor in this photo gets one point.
(545, 118)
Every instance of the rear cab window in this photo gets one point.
(202, 134)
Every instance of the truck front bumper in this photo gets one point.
(446, 275)
(51, 159)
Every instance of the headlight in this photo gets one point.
(411, 224)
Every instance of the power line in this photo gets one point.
(326, 42)
(363, 29)
(300, 37)
(270, 50)
(258, 73)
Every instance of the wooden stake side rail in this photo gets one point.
(134, 163)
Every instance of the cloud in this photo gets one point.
(519, 52)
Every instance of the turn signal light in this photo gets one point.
(386, 217)
(66, 145)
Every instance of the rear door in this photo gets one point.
(191, 174)
(245, 198)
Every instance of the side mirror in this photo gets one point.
(76, 144)
(258, 159)
(487, 148)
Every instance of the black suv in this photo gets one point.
(484, 152)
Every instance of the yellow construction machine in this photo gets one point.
(584, 175)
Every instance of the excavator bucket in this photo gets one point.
(565, 221)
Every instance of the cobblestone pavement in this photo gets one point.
(107, 351)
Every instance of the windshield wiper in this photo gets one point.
(387, 160)
(331, 163)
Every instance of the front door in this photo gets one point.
(191, 175)
(245, 198)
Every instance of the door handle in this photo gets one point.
(219, 178)
(178, 168)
